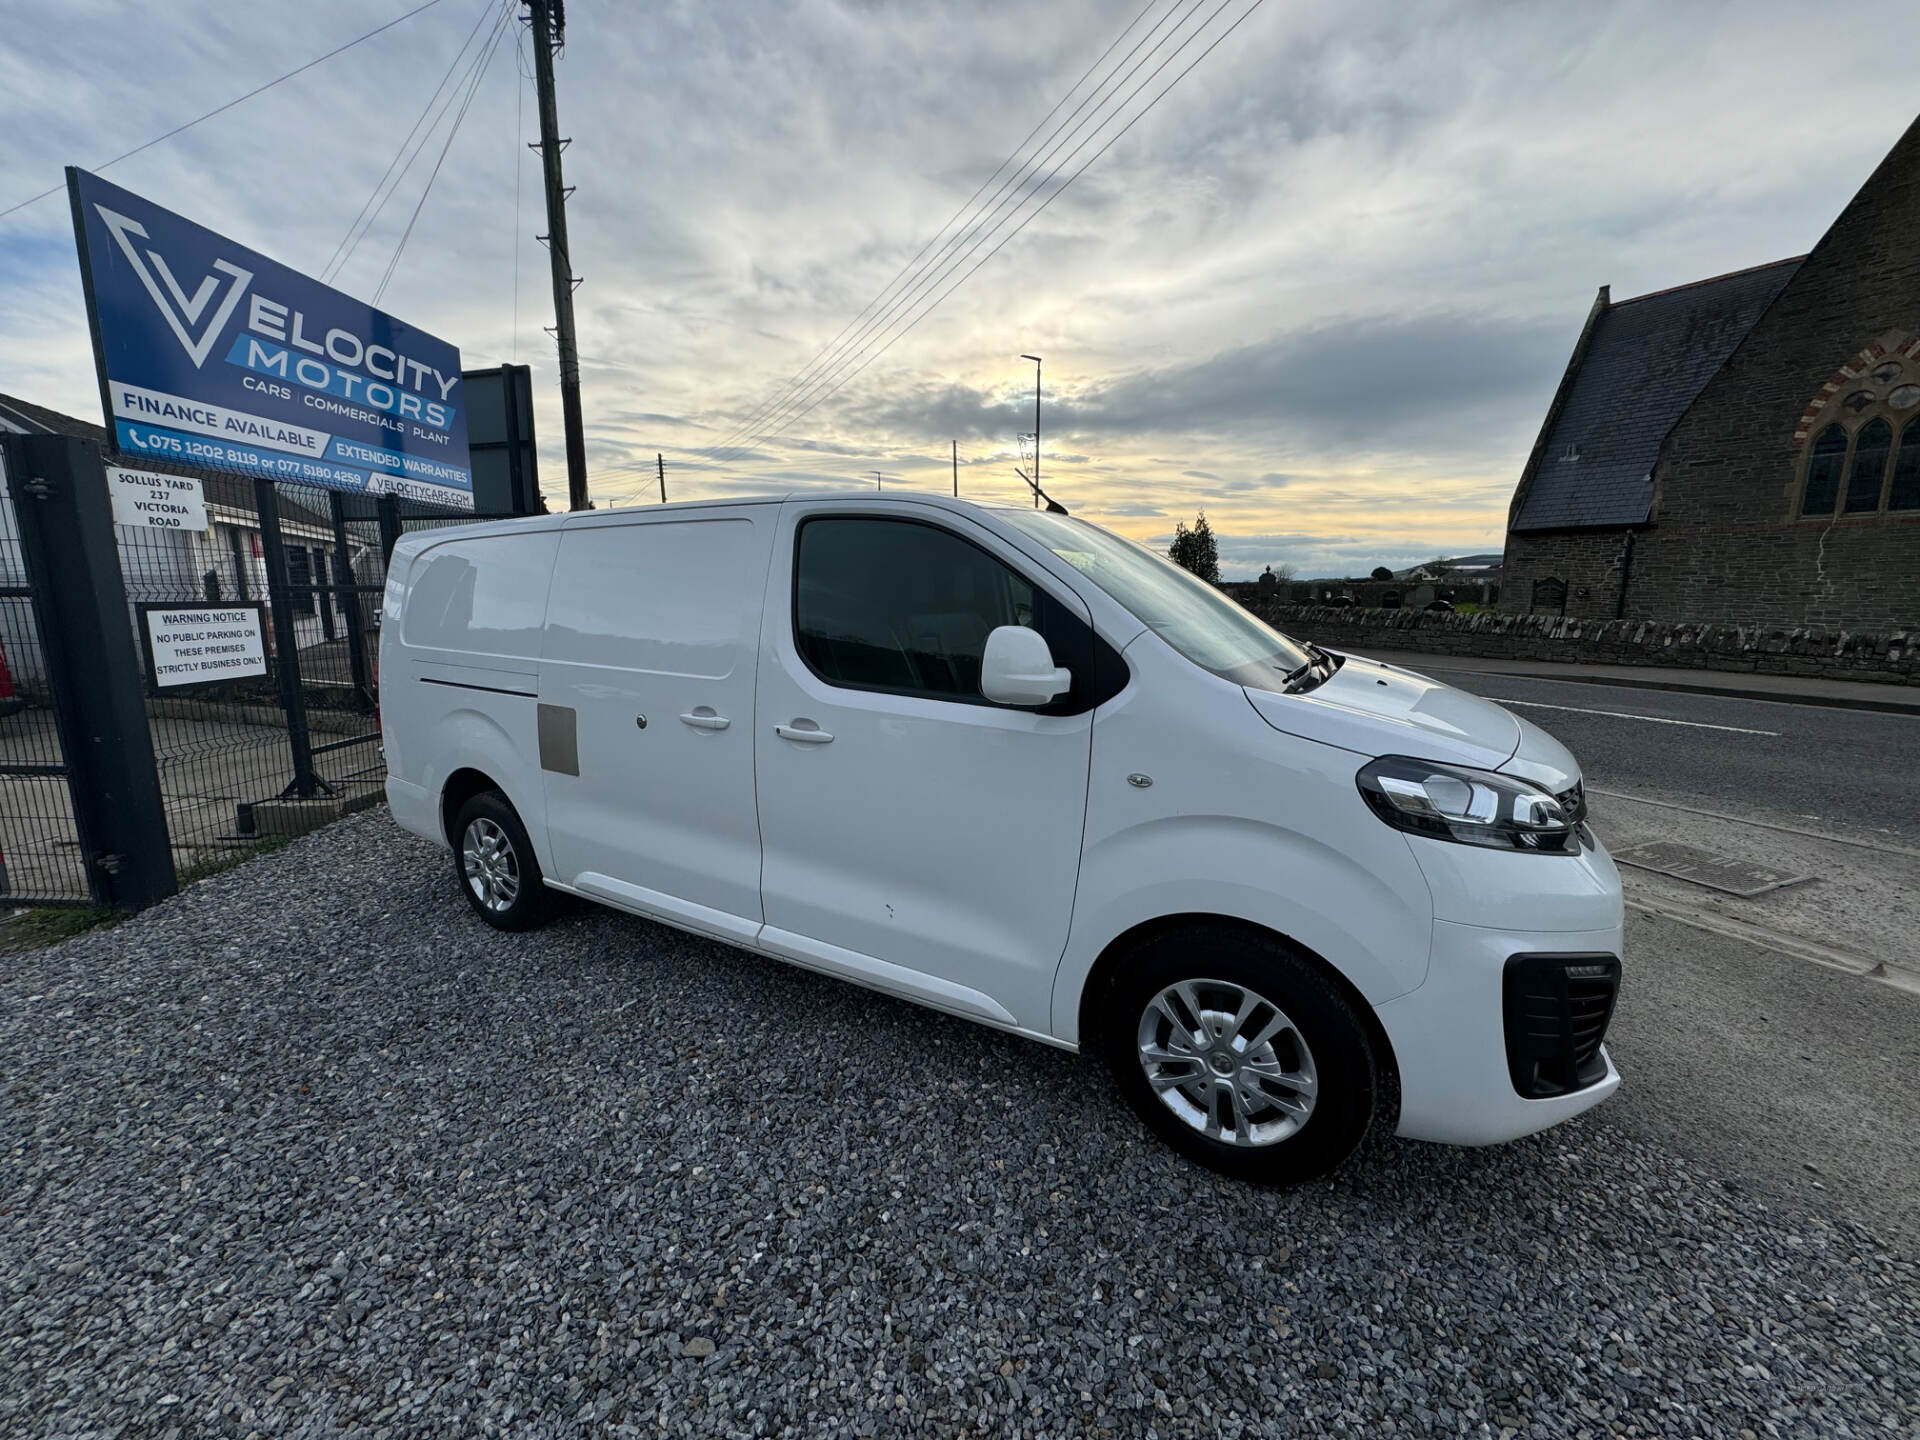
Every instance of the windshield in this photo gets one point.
(1206, 626)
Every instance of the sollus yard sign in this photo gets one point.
(210, 354)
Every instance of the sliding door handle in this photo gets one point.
(803, 732)
(705, 719)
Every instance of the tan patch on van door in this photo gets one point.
(559, 740)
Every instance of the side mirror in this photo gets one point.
(1017, 668)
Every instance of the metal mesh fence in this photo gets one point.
(254, 606)
(308, 727)
(40, 854)
(222, 748)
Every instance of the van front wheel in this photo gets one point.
(1238, 1052)
(496, 867)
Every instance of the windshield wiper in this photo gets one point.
(1296, 681)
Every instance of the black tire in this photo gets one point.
(1339, 1053)
(531, 904)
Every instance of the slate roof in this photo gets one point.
(1645, 362)
(34, 419)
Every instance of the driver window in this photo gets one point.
(900, 606)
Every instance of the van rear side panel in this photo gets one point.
(649, 669)
(460, 648)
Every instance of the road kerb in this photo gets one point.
(1896, 976)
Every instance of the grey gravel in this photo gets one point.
(309, 1151)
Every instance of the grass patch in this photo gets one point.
(224, 860)
(43, 925)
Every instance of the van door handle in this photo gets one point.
(803, 731)
(705, 719)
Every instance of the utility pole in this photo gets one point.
(956, 469)
(660, 460)
(876, 480)
(1035, 482)
(549, 18)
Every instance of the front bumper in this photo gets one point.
(1450, 1040)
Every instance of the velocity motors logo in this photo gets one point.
(182, 312)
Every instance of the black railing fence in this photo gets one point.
(252, 608)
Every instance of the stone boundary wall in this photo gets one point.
(1885, 657)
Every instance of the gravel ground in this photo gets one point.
(269, 1171)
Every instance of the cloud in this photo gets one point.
(1324, 289)
(1365, 385)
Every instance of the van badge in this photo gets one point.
(1139, 781)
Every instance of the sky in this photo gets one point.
(1322, 289)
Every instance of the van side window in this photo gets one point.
(900, 606)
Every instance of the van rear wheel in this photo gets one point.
(496, 866)
(1237, 1051)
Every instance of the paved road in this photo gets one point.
(1793, 1082)
(1847, 771)
(309, 1151)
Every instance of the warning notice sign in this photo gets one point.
(195, 644)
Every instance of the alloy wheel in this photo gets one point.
(487, 860)
(1228, 1062)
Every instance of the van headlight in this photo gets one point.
(1471, 807)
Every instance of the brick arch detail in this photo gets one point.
(1869, 357)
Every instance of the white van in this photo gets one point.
(1009, 765)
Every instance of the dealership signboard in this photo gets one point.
(213, 355)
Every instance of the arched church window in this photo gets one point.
(1905, 493)
(1825, 466)
(1860, 436)
(1869, 469)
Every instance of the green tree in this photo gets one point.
(1195, 549)
(1380, 572)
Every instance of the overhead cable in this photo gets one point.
(479, 74)
(998, 214)
(222, 109)
(350, 241)
(1054, 195)
(800, 376)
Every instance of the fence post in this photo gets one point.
(352, 614)
(94, 671)
(286, 640)
(389, 511)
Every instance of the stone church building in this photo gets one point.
(1744, 449)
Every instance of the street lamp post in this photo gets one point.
(1036, 428)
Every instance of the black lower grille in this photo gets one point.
(1556, 1009)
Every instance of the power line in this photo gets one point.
(479, 74)
(799, 376)
(220, 110)
(350, 241)
(944, 262)
(949, 260)
(1113, 140)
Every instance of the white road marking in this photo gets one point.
(1628, 715)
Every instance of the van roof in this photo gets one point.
(417, 540)
(885, 497)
